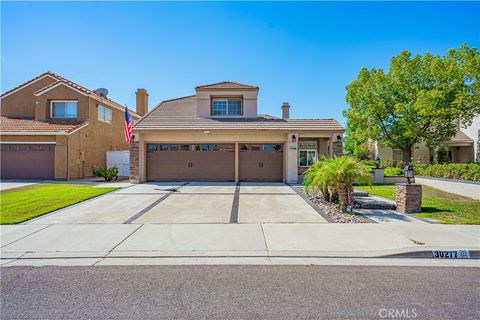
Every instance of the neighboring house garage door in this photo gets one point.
(27, 161)
(261, 162)
(190, 162)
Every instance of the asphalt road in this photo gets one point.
(240, 292)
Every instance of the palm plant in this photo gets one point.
(338, 175)
(312, 182)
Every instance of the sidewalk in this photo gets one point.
(91, 244)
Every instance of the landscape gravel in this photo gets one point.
(331, 209)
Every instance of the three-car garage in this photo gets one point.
(214, 162)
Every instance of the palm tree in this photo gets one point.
(338, 175)
(312, 179)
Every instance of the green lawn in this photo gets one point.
(22, 204)
(437, 205)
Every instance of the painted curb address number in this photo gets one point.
(451, 254)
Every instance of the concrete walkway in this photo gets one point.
(90, 244)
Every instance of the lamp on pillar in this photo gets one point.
(377, 161)
(409, 172)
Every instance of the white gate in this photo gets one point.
(121, 159)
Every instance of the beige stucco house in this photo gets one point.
(217, 134)
(53, 128)
(462, 148)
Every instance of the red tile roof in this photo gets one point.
(180, 114)
(30, 125)
(70, 83)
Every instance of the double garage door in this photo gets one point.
(214, 162)
(27, 161)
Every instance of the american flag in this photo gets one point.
(127, 131)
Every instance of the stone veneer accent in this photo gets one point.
(408, 197)
(337, 149)
(134, 162)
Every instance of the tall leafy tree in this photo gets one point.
(420, 98)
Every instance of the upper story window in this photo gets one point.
(227, 107)
(63, 109)
(104, 114)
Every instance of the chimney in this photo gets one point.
(142, 101)
(285, 110)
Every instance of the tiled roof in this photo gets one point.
(30, 125)
(178, 114)
(227, 85)
(70, 83)
(460, 137)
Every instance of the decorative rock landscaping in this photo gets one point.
(331, 209)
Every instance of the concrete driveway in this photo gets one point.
(191, 203)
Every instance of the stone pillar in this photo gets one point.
(134, 162)
(337, 149)
(409, 197)
(378, 175)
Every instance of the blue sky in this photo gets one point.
(303, 53)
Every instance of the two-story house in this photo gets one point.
(464, 147)
(53, 128)
(218, 135)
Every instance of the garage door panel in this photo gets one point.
(27, 161)
(207, 162)
(262, 162)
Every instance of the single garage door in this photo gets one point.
(261, 162)
(27, 161)
(190, 162)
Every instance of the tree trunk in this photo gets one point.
(326, 195)
(350, 195)
(407, 155)
(342, 197)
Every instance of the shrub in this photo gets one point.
(337, 175)
(108, 174)
(393, 172)
(462, 171)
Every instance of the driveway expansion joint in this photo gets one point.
(154, 204)
(235, 204)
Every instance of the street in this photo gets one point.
(240, 292)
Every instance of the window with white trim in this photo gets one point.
(104, 114)
(227, 107)
(63, 109)
(307, 154)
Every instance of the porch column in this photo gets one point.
(237, 162)
(292, 158)
(330, 146)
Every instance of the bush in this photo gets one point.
(393, 172)
(462, 171)
(108, 174)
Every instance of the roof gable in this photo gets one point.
(227, 85)
(75, 86)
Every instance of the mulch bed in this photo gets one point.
(331, 209)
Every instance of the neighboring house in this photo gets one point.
(53, 128)
(217, 135)
(463, 147)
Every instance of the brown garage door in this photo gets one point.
(27, 161)
(190, 162)
(261, 162)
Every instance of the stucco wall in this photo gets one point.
(249, 101)
(21, 103)
(61, 92)
(88, 146)
(473, 131)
